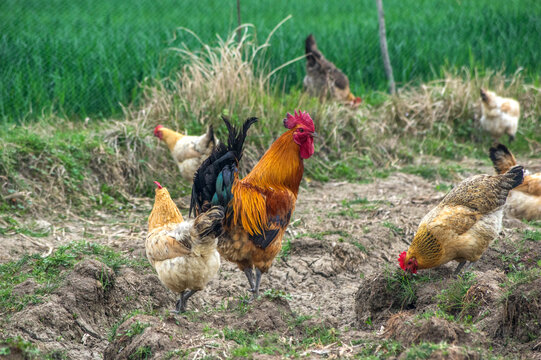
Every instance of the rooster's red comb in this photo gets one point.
(402, 260)
(158, 184)
(300, 117)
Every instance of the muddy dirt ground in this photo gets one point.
(344, 240)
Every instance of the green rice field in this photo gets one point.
(86, 58)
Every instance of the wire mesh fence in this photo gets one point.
(86, 58)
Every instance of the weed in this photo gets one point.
(397, 230)
(141, 353)
(451, 299)
(320, 335)
(404, 285)
(18, 344)
(136, 329)
(321, 235)
(104, 280)
(378, 349)
(432, 172)
(286, 250)
(424, 350)
(277, 294)
(532, 235)
(360, 247)
(178, 354)
(48, 273)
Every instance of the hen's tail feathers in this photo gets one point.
(208, 225)
(502, 158)
(484, 95)
(312, 53)
(210, 136)
(515, 176)
(214, 178)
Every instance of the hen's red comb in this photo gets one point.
(300, 117)
(158, 184)
(402, 260)
(156, 130)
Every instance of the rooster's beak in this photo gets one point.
(315, 135)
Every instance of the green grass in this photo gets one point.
(257, 342)
(48, 272)
(84, 59)
(403, 286)
(451, 299)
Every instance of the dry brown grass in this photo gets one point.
(438, 118)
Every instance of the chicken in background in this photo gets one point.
(500, 115)
(323, 79)
(464, 223)
(259, 206)
(188, 151)
(524, 201)
(182, 252)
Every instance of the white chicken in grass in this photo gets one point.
(500, 115)
(188, 151)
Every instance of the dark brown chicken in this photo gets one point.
(323, 79)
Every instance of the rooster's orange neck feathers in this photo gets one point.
(280, 167)
(164, 211)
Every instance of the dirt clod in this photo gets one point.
(522, 312)
(408, 329)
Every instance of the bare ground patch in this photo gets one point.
(330, 282)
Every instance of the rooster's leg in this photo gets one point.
(250, 276)
(257, 282)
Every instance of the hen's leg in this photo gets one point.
(185, 296)
(250, 276)
(257, 282)
(180, 304)
(511, 138)
(461, 265)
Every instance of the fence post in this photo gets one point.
(383, 45)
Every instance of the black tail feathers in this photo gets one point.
(224, 156)
(516, 174)
(502, 159)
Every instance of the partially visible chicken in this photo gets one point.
(188, 151)
(323, 79)
(500, 115)
(464, 223)
(524, 202)
(182, 252)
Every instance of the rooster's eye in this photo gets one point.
(301, 130)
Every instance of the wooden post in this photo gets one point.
(383, 45)
(239, 33)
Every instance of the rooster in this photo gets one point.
(182, 252)
(188, 151)
(464, 223)
(500, 115)
(323, 78)
(259, 206)
(524, 201)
